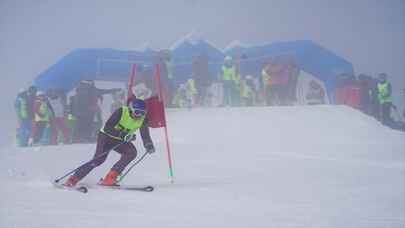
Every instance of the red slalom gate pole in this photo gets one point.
(160, 94)
(131, 82)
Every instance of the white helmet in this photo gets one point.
(228, 58)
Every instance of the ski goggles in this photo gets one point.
(138, 112)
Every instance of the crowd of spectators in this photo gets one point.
(49, 117)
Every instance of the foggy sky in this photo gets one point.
(36, 34)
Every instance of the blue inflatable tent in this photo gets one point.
(185, 52)
(114, 65)
(310, 57)
(91, 64)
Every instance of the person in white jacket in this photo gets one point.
(57, 100)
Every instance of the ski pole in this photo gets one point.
(84, 164)
(120, 177)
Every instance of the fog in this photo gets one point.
(36, 34)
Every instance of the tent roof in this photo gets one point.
(114, 65)
(91, 64)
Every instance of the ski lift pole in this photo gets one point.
(160, 94)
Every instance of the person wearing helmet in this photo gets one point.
(43, 112)
(117, 134)
(230, 82)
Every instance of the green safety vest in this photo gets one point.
(44, 111)
(21, 107)
(228, 73)
(383, 96)
(191, 86)
(126, 124)
(246, 91)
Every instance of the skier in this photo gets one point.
(117, 134)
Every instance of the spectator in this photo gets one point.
(97, 120)
(279, 78)
(57, 100)
(23, 120)
(71, 119)
(192, 91)
(266, 82)
(230, 82)
(201, 77)
(384, 94)
(293, 73)
(315, 94)
(248, 91)
(182, 97)
(86, 108)
(43, 114)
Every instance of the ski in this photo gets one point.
(146, 188)
(132, 188)
(81, 189)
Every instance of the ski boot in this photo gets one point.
(71, 182)
(110, 179)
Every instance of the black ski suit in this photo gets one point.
(105, 144)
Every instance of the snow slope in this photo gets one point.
(313, 166)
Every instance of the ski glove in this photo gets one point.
(150, 149)
(129, 137)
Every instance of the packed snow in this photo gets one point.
(303, 166)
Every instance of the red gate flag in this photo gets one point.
(155, 115)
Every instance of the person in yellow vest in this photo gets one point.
(266, 82)
(230, 82)
(71, 118)
(43, 113)
(248, 91)
(23, 120)
(117, 134)
(384, 95)
(180, 99)
(191, 91)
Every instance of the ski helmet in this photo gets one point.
(138, 107)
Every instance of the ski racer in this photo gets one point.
(117, 134)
